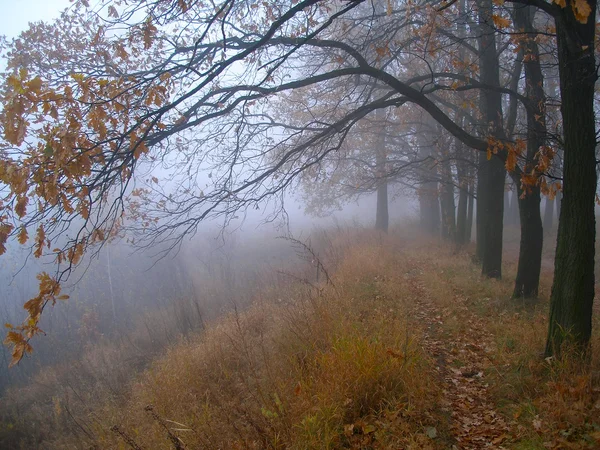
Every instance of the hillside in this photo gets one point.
(399, 344)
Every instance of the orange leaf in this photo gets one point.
(183, 5)
(381, 51)
(581, 10)
(22, 238)
(21, 207)
(17, 354)
(149, 32)
(79, 77)
(39, 241)
(4, 232)
(35, 84)
(500, 21)
(511, 161)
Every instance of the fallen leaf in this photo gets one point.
(431, 432)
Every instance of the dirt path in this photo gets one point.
(461, 358)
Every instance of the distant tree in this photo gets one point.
(375, 153)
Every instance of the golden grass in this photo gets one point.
(343, 365)
(551, 403)
(300, 369)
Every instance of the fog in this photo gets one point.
(119, 288)
(302, 224)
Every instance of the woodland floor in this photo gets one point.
(468, 333)
(461, 360)
(408, 347)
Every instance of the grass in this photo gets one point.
(329, 369)
(337, 365)
(552, 403)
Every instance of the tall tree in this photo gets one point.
(462, 153)
(573, 287)
(490, 193)
(530, 250)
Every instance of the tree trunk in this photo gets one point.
(530, 251)
(428, 193)
(506, 218)
(448, 206)
(429, 206)
(479, 234)
(463, 199)
(573, 287)
(462, 163)
(513, 105)
(514, 204)
(382, 215)
(490, 201)
(470, 207)
(549, 214)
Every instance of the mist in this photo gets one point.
(299, 225)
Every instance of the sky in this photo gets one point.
(15, 15)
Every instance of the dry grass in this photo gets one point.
(551, 403)
(317, 366)
(301, 369)
(63, 402)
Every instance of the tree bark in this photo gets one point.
(514, 205)
(462, 163)
(506, 218)
(463, 197)
(549, 214)
(479, 233)
(573, 287)
(559, 197)
(448, 206)
(428, 192)
(429, 206)
(382, 215)
(470, 207)
(490, 201)
(530, 251)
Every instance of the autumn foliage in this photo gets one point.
(62, 150)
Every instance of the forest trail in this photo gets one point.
(461, 357)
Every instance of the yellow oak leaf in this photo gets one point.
(581, 10)
(22, 238)
(500, 21)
